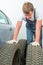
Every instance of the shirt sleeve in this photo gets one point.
(21, 17)
(38, 15)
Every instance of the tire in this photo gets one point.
(16, 59)
(34, 55)
(22, 44)
(10, 53)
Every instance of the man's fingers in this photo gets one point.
(35, 44)
(11, 41)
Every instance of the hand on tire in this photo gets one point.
(35, 44)
(11, 41)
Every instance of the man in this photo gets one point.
(33, 24)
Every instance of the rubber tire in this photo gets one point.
(9, 53)
(16, 60)
(22, 44)
(34, 55)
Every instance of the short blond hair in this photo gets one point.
(27, 7)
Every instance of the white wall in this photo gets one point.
(13, 8)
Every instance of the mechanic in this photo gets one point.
(33, 24)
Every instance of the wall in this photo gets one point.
(12, 8)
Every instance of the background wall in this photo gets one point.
(13, 9)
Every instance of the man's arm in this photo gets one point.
(37, 33)
(16, 31)
(38, 29)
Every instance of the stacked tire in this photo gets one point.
(34, 55)
(13, 54)
(10, 54)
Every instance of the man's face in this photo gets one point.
(28, 16)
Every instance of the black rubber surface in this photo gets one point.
(7, 54)
(34, 55)
(22, 46)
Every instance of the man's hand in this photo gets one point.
(35, 44)
(11, 41)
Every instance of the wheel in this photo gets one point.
(34, 55)
(22, 44)
(10, 54)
